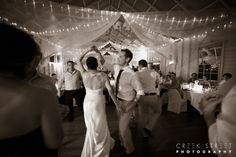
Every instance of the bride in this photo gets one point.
(98, 141)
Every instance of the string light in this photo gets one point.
(194, 19)
(224, 26)
(176, 20)
(50, 4)
(135, 18)
(185, 20)
(34, 3)
(200, 20)
(138, 16)
(68, 8)
(173, 19)
(52, 32)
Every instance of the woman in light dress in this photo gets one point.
(98, 141)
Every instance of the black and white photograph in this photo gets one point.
(118, 78)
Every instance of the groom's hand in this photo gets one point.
(119, 109)
(131, 105)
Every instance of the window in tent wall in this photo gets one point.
(55, 64)
(211, 61)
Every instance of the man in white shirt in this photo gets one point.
(73, 89)
(149, 104)
(129, 90)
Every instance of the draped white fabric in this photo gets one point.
(64, 28)
(158, 29)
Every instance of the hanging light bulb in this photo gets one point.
(200, 20)
(50, 5)
(173, 19)
(185, 20)
(33, 2)
(194, 19)
(213, 19)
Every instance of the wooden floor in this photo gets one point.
(171, 132)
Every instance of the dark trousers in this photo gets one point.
(78, 95)
(163, 90)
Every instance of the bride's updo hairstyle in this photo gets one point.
(92, 63)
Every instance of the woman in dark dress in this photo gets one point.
(30, 123)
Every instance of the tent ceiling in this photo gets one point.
(41, 18)
(188, 6)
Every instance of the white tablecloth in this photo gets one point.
(195, 98)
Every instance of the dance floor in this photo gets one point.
(171, 133)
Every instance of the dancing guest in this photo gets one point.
(98, 141)
(73, 89)
(128, 90)
(149, 104)
(29, 119)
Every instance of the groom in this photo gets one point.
(128, 90)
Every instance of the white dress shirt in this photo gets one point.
(148, 79)
(73, 81)
(129, 85)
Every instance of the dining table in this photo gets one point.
(194, 93)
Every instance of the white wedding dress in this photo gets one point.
(98, 141)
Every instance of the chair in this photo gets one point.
(176, 104)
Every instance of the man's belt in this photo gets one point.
(120, 99)
(150, 93)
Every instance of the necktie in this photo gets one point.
(118, 80)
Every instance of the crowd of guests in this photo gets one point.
(29, 116)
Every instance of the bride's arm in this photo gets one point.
(100, 57)
(80, 65)
(111, 93)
